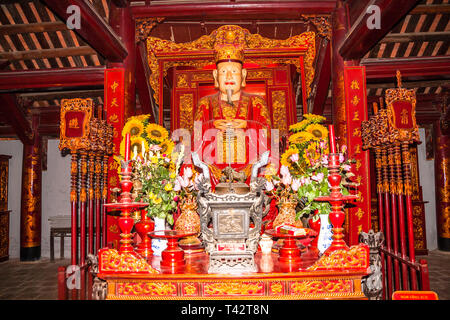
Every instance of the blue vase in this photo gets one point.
(325, 233)
(159, 245)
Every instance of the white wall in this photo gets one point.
(55, 194)
(426, 176)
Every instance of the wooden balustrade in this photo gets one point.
(389, 133)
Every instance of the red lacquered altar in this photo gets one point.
(290, 274)
(334, 276)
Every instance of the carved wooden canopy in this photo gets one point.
(298, 50)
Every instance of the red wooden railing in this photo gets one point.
(400, 270)
(75, 283)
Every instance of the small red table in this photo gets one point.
(290, 252)
(173, 255)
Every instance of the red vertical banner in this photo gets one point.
(115, 109)
(356, 112)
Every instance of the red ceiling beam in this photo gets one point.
(354, 9)
(52, 78)
(412, 69)
(235, 8)
(323, 78)
(94, 30)
(15, 117)
(360, 39)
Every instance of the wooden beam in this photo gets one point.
(4, 63)
(15, 117)
(94, 30)
(431, 9)
(52, 78)
(47, 53)
(412, 69)
(235, 8)
(56, 95)
(7, 132)
(323, 77)
(416, 36)
(120, 3)
(409, 84)
(33, 27)
(354, 9)
(142, 81)
(360, 39)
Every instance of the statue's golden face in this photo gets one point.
(230, 75)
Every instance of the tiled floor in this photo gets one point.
(29, 280)
(37, 280)
(439, 269)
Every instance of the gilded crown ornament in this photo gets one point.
(229, 44)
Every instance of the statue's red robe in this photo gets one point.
(250, 110)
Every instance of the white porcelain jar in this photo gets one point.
(265, 244)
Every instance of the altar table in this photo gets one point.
(337, 276)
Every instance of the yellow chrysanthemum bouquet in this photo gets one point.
(155, 165)
(306, 160)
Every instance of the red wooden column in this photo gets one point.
(120, 100)
(123, 24)
(356, 112)
(30, 213)
(338, 31)
(442, 178)
(115, 104)
(347, 117)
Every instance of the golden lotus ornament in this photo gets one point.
(189, 221)
(287, 213)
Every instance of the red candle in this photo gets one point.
(127, 147)
(332, 141)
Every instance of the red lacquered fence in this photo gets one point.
(400, 269)
(90, 145)
(75, 283)
(389, 132)
(88, 196)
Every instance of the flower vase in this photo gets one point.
(325, 235)
(189, 221)
(159, 245)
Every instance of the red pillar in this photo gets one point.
(122, 23)
(442, 185)
(30, 213)
(346, 118)
(338, 31)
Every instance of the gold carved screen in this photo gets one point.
(298, 50)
